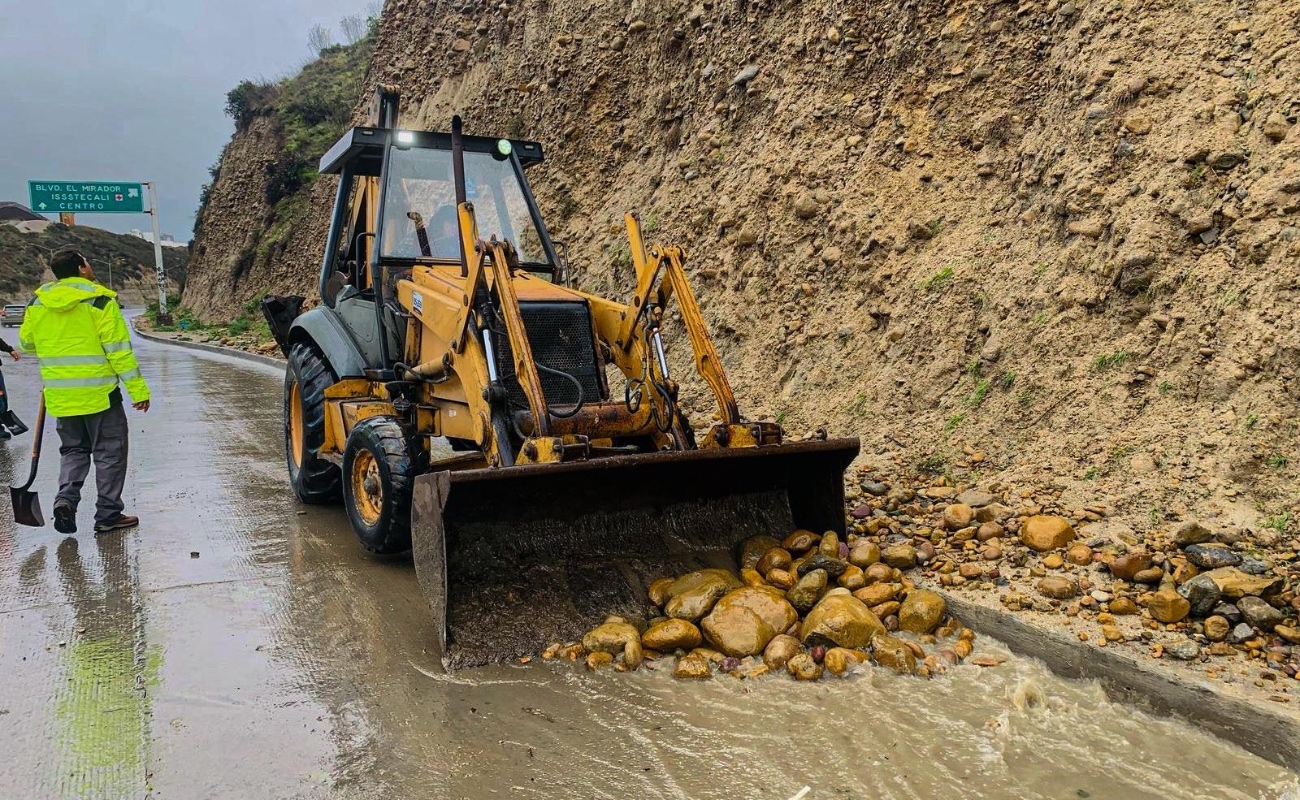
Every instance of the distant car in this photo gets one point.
(12, 316)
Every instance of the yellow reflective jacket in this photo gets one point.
(78, 333)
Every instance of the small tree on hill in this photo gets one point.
(319, 38)
(353, 28)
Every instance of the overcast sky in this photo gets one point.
(134, 90)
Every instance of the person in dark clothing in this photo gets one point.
(10, 425)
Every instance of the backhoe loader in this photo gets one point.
(523, 439)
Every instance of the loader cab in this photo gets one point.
(396, 208)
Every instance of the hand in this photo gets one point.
(142, 406)
(16, 355)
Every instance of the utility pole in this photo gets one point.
(157, 253)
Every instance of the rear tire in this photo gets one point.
(377, 481)
(306, 378)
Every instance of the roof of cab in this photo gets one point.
(364, 149)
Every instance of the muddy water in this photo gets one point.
(239, 645)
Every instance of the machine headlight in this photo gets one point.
(504, 147)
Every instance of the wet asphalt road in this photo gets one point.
(240, 645)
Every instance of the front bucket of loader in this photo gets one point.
(512, 559)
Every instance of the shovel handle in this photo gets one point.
(36, 441)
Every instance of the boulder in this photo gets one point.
(876, 593)
(803, 668)
(840, 660)
(1217, 628)
(659, 591)
(841, 620)
(616, 637)
(864, 554)
(768, 603)
(922, 611)
(781, 579)
(670, 635)
(753, 549)
(1235, 584)
(1192, 532)
(800, 541)
(833, 566)
(1058, 587)
(693, 595)
(737, 631)
(1211, 556)
(780, 650)
(1044, 532)
(693, 666)
(899, 556)
(852, 579)
(1168, 606)
(804, 594)
(1127, 567)
(1260, 614)
(776, 558)
(1201, 593)
(752, 577)
(957, 516)
(829, 545)
(892, 653)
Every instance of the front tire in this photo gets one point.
(377, 481)
(306, 378)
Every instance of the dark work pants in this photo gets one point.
(102, 437)
(4, 395)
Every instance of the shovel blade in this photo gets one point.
(27, 508)
(511, 559)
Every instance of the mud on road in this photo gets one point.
(241, 645)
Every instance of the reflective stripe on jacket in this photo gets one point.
(78, 333)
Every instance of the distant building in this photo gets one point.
(167, 239)
(17, 212)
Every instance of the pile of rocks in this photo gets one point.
(1189, 595)
(809, 605)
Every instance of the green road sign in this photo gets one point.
(84, 197)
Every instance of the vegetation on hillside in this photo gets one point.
(308, 112)
(249, 321)
(24, 256)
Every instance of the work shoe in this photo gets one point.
(65, 518)
(119, 523)
(4, 434)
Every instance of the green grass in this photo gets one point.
(1111, 360)
(1277, 461)
(1165, 387)
(933, 464)
(1091, 474)
(859, 404)
(1252, 420)
(977, 396)
(1040, 319)
(954, 421)
(937, 281)
(780, 417)
(1277, 522)
(1008, 380)
(1025, 398)
(1154, 516)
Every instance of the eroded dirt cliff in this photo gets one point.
(1053, 242)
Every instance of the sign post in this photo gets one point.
(157, 250)
(68, 198)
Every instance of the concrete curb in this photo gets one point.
(278, 363)
(1249, 724)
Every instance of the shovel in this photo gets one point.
(27, 506)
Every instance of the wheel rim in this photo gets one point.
(296, 427)
(367, 487)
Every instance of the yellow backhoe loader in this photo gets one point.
(521, 438)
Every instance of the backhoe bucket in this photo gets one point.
(513, 559)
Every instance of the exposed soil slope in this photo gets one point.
(1051, 241)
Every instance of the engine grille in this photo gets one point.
(561, 338)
